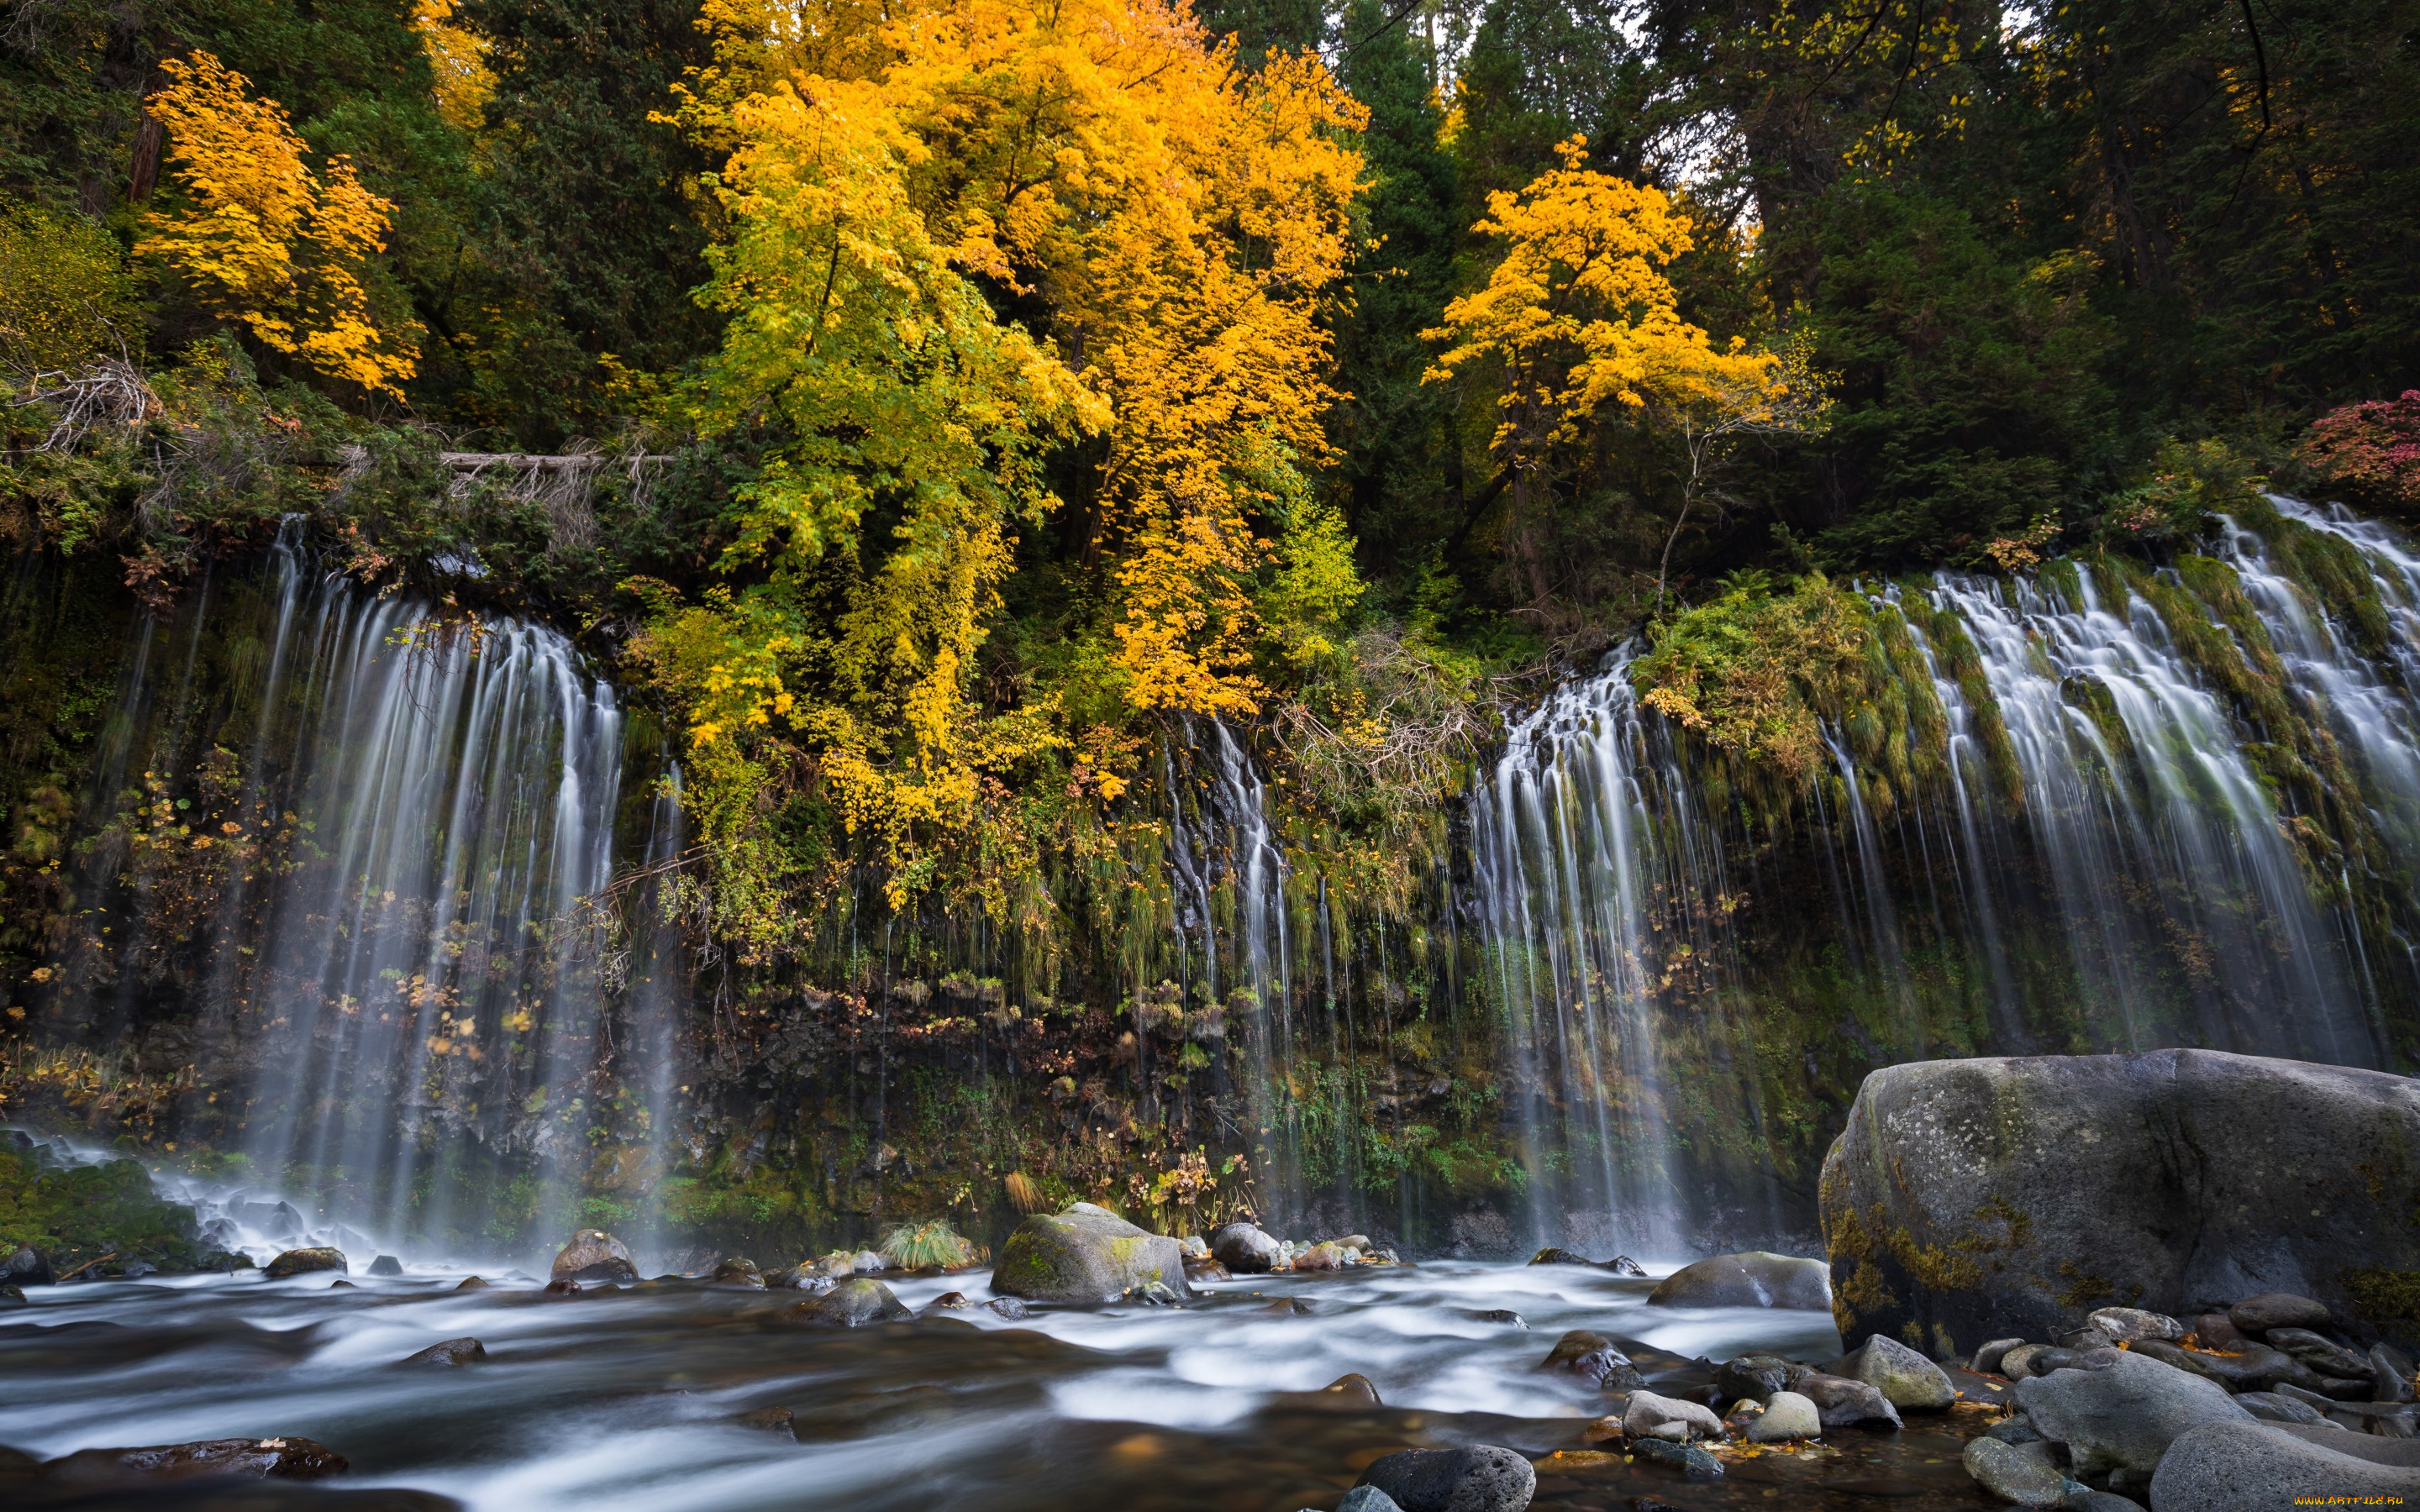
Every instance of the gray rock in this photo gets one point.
(1983, 1198)
(280, 1457)
(1787, 1416)
(1687, 1458)
(2272, 1407)
(303, 1262)
(1505, 1315)
(2013, 1476)
(2121, 1411)
(1987, 1359)
(1482, 1478)
(1243, 1248)
(1086, 1255)
(2260, 1467)
(1844, 1403)
(2390, 1375)
(2014, 1428)
(1907, 1379)
(1754, 1377)
(26, 1266)
(1594, 1358)
(2019, 1362)
(2255, 1367)
(869, 1262)
(449, 1352)
(1012, 1309)
(2325, 1356)
(1649, 1416)
(386, 1265)
(1753, 1278)
(593, 1254)
(2256, 1316)
(2124, 1325)
(1368, 1499)
(851, 1305)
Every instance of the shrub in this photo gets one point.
(922, 1246)
(2371, 450)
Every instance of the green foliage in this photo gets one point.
(85, 1212)
(1754, 671)
(64, 294)
(2190, 486)
(926, 1246)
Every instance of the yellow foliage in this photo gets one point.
(264, 240)
(65, 297)
(459, 60)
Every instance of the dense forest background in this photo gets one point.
(978, 390)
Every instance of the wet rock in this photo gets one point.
(1012, 1309)
(1086, 1255)
(2085, 1499)
(1983, 1198)
(2123, 1409)
(2011, 1474)
(2216, 1331)
(302, 1262)
(2057, 1357)
(1755, 1377)
(1787, 1416)
(2019, 1362)
(1207, 1271)
(450, 1352)
(2388, 1420)
(1593, 1359)
(2255, 1316)
(1153, 1294)
(1289, 1307)
(1368, 1499)
(1550, 1256)
(470, 1283)
(867, 1262)
(1987, 1359)
(2240, 1467)
(2390, 1375)
(1244, 1248)
(2325, 1356)
(1480, 1479)
(279, 1459)
(948, 1302)
(2124, 1325)
(1358, 1243)
(1842, 1402)
(738, 1271)
(1500, 1315)
(12, 1295)
(851, 1305)
(2014, 1428)
(562, 1286)
(1754, 1278)
(1649, 1416)
(775, 1420)
(1326, 1257)
(1346, 1393)
(1687, 1458)
(1195, 1247)
(2255, 1367)
(386, 1265)
(593, 1254)
(2272, 1407)
(1907, 1379)
(26, 1266)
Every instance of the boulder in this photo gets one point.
(2253, 1367)
(1245, 1249)
(2018, 1363)
(470, 1283)
(1012, 1309)
(2013, 1476)
(1755, 1279)
(1346, 1393)
(1844, 1403)
(1787, 1416)
(302, 1262)
(386, 1265)
(1987, 1359)
(1649, 1416)
(2255, 1316)
(1087, 1255)
(1480, 1479)
(2124, 1325)
(2390, 1375)
(868, 1263)
(2216, 1331)
(850, 1305)
(1976, 1198)
(2258, 1467)
(1906, 1378)
(276, 1458)
(26, 1266)
(1328, 1256)
(593, 1254)
(2325, 1356)
(449, 1352)
(1368, 1499)
(1593, 1358)
(2121, 1409)
(1755, 1377)
(2271, 1407)
(738, 1270)
(1551, 1256)
(1687, 1458)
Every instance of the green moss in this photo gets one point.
(81, 1214)
(2382, 1296)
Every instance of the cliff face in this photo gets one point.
(404, 908)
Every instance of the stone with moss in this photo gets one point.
(1086, 1255)
(88, 1220)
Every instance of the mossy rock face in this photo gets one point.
(1994, 1197)
(1085, 1255)
(90, 1220)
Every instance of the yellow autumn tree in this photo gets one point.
(260, 237)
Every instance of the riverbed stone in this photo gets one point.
(2253, 1367)
(1325, 1256)
(465, 1350)
(303, 1262)
(1346, 1393)
(1999, 1196)
(2124, 1325)
(2276, 1406)
(1787, 1416)
(738, 1271)
(2390, 1374)
(1844, 1403)
(2258, 1467)
(1687, 1458)
(2255, 1316)
(1755, 1377)
(2121, 1409)
(1594, 1358)
(276, 1458)
(1911, 1381)
(1753, 1278)
(1649, 1416)
(26, 1266)
(1086, 1255)
(1987, 1359)
(1012, 1309)
(851, 1305)
(2324, 1355)
(1368, 1499)
(1480, 1479)
(593, 1254)
(2011, 1474)
(386, 1265)
(1247, 1249)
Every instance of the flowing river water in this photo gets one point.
(633, 1398)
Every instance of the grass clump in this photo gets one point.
(926, 1246)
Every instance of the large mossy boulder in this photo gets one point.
(1969, 1200)
(1086, 1255)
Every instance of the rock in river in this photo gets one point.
(1649, 1416)
(2013, 1476)
(26, 1266)
(2257, 1467)
(1482, 1478)
(1755, 1377)
(1087, 1255)
(1755, 1279)
(593, 1254)
(1907, 1379)
(464, 1351)
(281, 1458)
(1842, 1402)
(2121, 1409)
(1787, 1416)
(1243, 1248)
(1999, 1196)
(302, 1262)
(386, 1265)
(1593, 1358)
(852, 1304)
